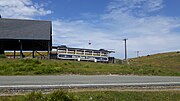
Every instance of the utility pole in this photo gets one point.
(125, 52)
(125, 47)
(137, 53)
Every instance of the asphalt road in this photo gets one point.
(85, 81)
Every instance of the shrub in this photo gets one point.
(36, 96)
(61, 95)
(2, 56)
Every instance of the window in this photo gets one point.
(61, 55)
(104, 59)
(68, 56)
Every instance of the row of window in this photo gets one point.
(68, 56)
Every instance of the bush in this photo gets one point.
(36, 96)
(61, 95)
(2, 56)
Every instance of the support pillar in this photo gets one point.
(33, 54)
(84, 52)
(14, 54)
(1, 47)
(75, 52)
(92, 53)
(49, 49)
(66, 51)
(33, 49)
(21, 53)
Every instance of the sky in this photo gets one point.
(151, 26)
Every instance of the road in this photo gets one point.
(18, 82)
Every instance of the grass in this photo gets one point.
(98, 96)
(59, 95)
(169, 61)
(167, 64)
(129, 96)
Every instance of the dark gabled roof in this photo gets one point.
(82, 49)
(25, 29)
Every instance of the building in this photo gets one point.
(25, 35)
(81, 54)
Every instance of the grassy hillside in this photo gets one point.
(160, 64)
(169, 60)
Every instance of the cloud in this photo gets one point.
(149, 34)
(79, 33)
(124, 19)
(22, 9)
(135, 7)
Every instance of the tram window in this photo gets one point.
(61, 55)
(104, 58)
(98, 58)
(68, 56)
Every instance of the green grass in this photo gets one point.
(169, 61)
(39, 96)
(98, 96)
(161, 64)
(129, 96)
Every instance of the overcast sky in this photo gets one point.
(151, 26)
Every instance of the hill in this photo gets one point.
(165, 64)
(170, 60)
